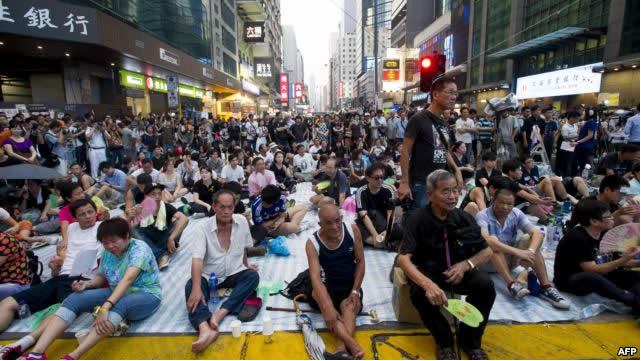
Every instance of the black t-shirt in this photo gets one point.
(298, 130)
(280, 174)
(611, 161)
(158, 163)
(282, 135)
(139, 196)
(340, 184)
(206, 193)
(365, 200)
(576, 247)
(482, 173)
(428, 153)
(424, 238)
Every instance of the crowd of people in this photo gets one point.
(471, 189)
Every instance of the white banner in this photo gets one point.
(577, 80)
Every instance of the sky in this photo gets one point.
(313, 21)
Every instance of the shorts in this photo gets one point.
(47, 293)
(512, 261)
(337, 294)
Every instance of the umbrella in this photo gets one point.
(28, 171)
(313, 342)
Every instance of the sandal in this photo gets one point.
(250, 309)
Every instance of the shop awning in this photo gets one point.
(542, 42)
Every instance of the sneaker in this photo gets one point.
(10, 352)
(163, 262)
(446, 353)
(477, 354)
(33, 356)
(553, 296)
(518, 291)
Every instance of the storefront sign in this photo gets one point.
(49, 19)
(250, 87)
(132, 80)
(254, 31)
(571, 81)
(140, 81)
(264, 67)
(341, 88)
(391, 64)
(284, 87)
(419, 96)
(169, 57)
(207, 73)
(391, 75)
(411, 68)
(298, 90)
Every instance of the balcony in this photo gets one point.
(251, 10)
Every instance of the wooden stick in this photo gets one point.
(270, 308)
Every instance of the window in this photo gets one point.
(229, 65)
(228, 15)
(229, 41)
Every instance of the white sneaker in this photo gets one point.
(553, 296)
(518, 291)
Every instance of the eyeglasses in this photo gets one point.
(378, 178)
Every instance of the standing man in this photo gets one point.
(632, 128)
(220, 248)
(485, 129)
(336, 269)
(300, 131)
(377, 126)
(425, 146)
(97, 138)
(400, 125)
(549, 133)
(464, 130)
(433, 259)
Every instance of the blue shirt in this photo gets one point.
(261, 214)
(583, 132)
(119, 178)
(632, 129)
(514, 221)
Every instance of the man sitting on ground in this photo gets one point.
(82, 242)
(232, 172)
(112, 187)
(499, 225)
(374, 206)
(148, 168)
(487, 171)
(219, 249)
(610, 193)
(336, 270)
(78, 175)
(260, 177)
(549, 186)
(304, 163)
(430, 232)
(576, 269)
(162, 230)
(337, 190)
(527, 199)
(479, 198)
(619, 163)
(269, 210)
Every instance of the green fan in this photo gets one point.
(464, 312)
(321, 186)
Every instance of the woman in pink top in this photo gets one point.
(260, 177)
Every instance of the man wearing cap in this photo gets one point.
(162, 230)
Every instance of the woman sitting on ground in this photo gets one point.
(459, 150)
(172, 181)
(134, 293)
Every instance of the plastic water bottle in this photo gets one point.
(567, 206)
(533, 283)
(599, 259)
(23, 309)
(213, 290)
(587, 173)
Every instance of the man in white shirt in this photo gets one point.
(315, 147)
(220, 248)
(82, 244)
(378, 122)
(232, 172)
(147, 167)
(97, 138)
(304, 163)
(464, 129)
(268, 157)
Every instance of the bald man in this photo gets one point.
(337, 190)
(336, 250)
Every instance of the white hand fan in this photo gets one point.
(620, 238)
(148, 209)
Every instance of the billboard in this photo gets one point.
(298, 90)
(341, 89)
(254, 31)
(578, 80)
(284, 87)
(391, 75)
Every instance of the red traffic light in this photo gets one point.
(426, 63)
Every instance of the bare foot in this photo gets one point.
(213, 324)
(356, 350)
(204, 340)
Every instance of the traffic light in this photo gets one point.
(430, 66)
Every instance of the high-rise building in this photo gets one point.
(346, 59)
(349, 16)
(225, 45)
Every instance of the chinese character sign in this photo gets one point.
(570, 81)
(284, 86)
(49, 19)
(298, 90)
(254, 31)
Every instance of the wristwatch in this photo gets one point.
(357, 293)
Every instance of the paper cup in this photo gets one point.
(268, 329)
(235, 328)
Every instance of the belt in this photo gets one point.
(97, 148)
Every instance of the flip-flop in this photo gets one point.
(250, 309)
(341, 355)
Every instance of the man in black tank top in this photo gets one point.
(336, 269)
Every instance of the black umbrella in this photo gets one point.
(28, 171)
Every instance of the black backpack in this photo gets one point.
(302, 284)
(35, 268)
